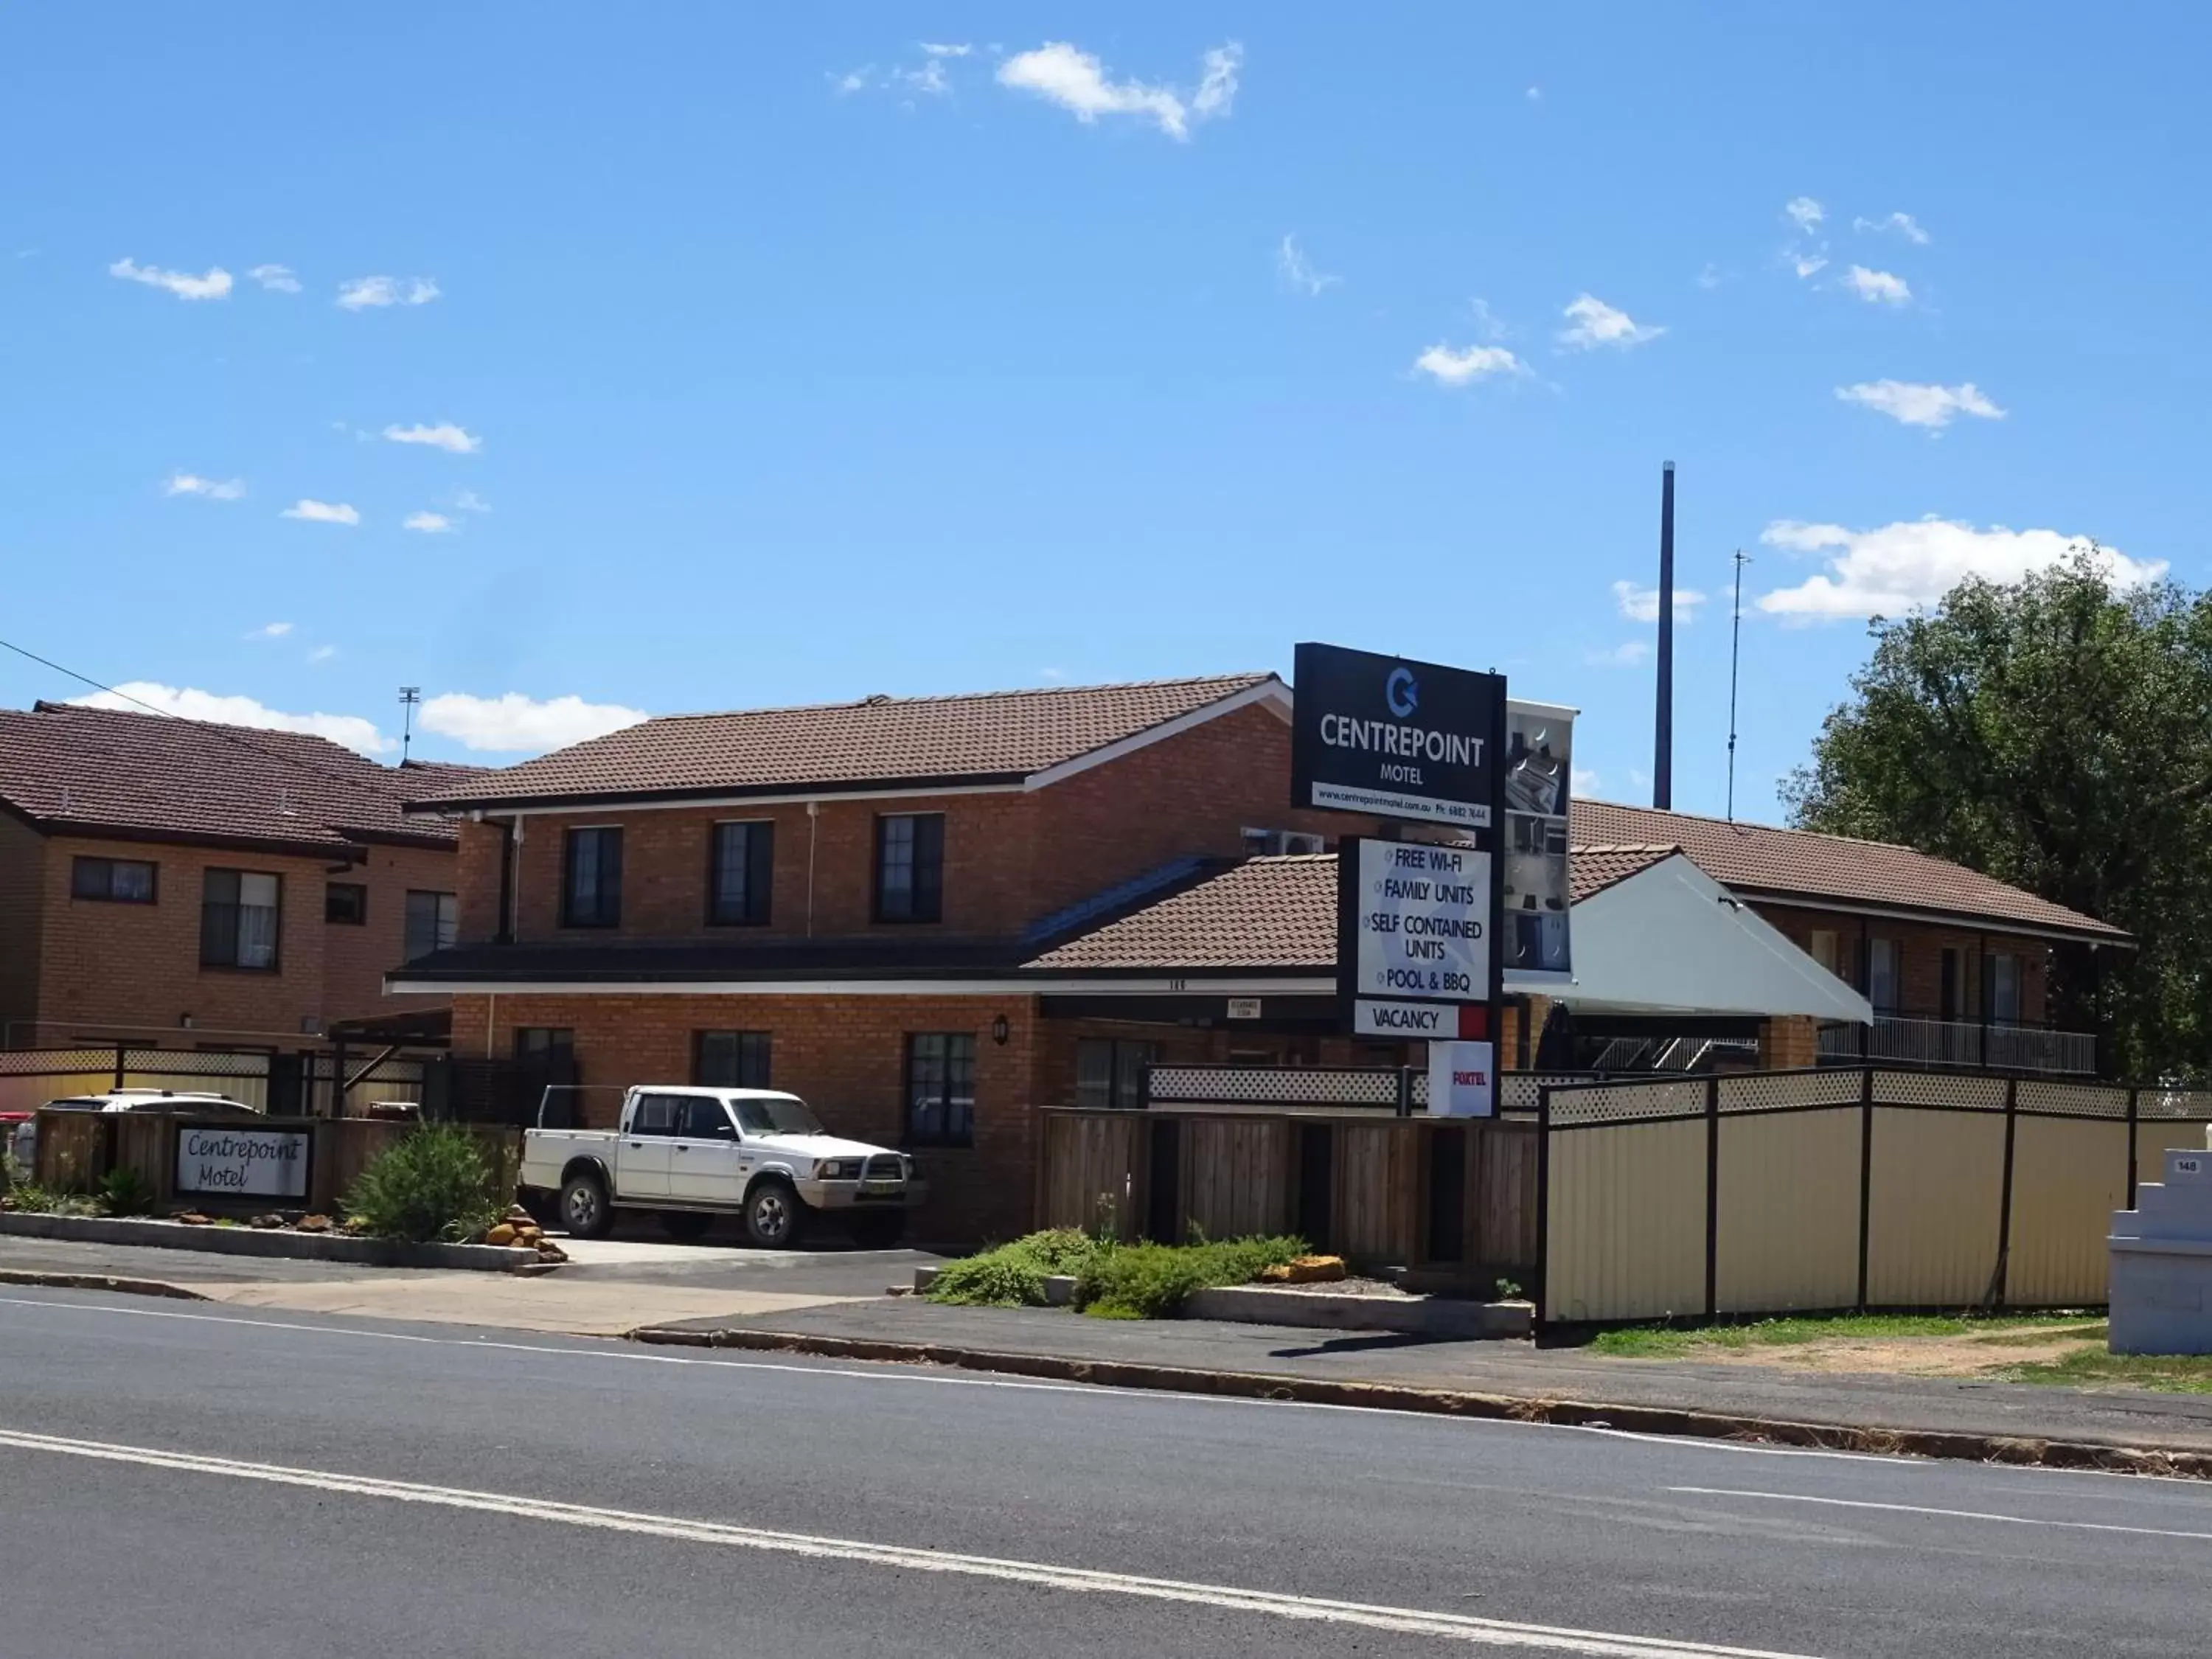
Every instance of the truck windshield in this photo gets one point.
(776, 1115)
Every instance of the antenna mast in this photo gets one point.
(409, 696)
(1736, 646)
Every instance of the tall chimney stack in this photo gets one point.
(1662, 746)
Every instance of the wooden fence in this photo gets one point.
(1456, 1196)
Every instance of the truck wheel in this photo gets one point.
(685, 1226)
(775, 1217)
(585, 1211)
(878, 1230)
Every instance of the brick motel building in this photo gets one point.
(932, 916)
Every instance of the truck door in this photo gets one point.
(704, 1157)
(642, 1157)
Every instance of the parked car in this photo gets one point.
(25, 1146)
(692, 1154)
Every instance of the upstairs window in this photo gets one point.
(1882, 975)
(434, 921)
(113, 881)
(591, 883)
(2004, 987)
(237, 920)
(1823, 949)
(740, 869)
(910, 866)
(345, 903)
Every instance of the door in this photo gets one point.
(706, 1159)
(642, 1158)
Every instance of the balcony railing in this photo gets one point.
(1905, 1042)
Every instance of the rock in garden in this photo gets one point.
(502, 1234)
(265, 1222)
(313, 1223)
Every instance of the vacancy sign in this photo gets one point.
(1413, 935)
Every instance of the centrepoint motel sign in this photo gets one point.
(1419, 921)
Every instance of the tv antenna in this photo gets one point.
(1735, 652)
(411, 697)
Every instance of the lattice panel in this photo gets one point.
(38, 1062)
(1768, 1092)
(2069, 1099)
(1262, 1085)
(180, 1062)
(1625, 1103)
(2186, 1105)
(1522, 1092)
(1986, 1094)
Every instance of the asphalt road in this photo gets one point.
(206, 1482)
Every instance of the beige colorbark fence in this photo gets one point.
(1825, 1190)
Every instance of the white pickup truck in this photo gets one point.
(692, 1154)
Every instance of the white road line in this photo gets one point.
(646, 1355)
(1450, 1627)
(1948, 1515)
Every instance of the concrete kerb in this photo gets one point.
(1441, 1402)
(269, 1241)
(97, 1282)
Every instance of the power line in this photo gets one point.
(224, 733)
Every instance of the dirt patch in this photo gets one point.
(1968, 1354)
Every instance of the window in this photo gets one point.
(940, 1088)
(1882, 975)
(1948, 996)
(910, 866)
(731, 1059)
(1111, 1073)
(1269, 843)
(238, 920)
(706, 1119)
(1824, 947)
(345, 903)
(433, 922)
(547, 1045)
(657, 1115)
(591, 886)
(2004, 989)
(116, 881)
(739, 871)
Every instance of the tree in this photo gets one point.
(2055, 733)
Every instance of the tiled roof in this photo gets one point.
(1759, 859)
(99, 771)
(1593, 869)
(1263, 912)
(998, 736)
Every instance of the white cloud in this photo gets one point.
(430, 524)
(321, 511)
(1899, 567)
(215, 285)
(469, 501)
(1808, 264)
(1903, 223)
(937, 49)
(1077, 82)
(929, 80)
(190, 703)
(1298, 271)
(1463, 367)
(1805, 213)
(277, 279)
(1916, 404)
(1711, 277)
(271, 631)
(1877, 287)
(216, 489)
(1597, 324)
(1583, 781)
(1535, 95)
(853, 80)
(322, 654)
(364, 291)
(446, 436)
(1627, 653)
(1641, 605)
(515, 724)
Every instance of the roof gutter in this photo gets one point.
(1975, 922)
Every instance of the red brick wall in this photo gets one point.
(114, 970)
(1920, 956)
(22, 878)
(845, 1056)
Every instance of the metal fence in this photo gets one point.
(1960, 1044)
(315, 1082)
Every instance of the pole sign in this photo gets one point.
(1414, 923)
(1539, 762)
(1395, 738)
(223, 1161)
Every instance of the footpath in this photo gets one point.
(831, 1302)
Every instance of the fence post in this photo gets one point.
(2135, 1116)
(1866, 1175)
(122, 1058)
(2005, 1207)
(1712, 1194)
(1405, 1091)
(1543, 1273)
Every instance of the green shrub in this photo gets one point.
(1149, 1281)
(432, 1186)
(124, 1191)
(1013, 1275)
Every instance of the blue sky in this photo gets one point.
(739, 356)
